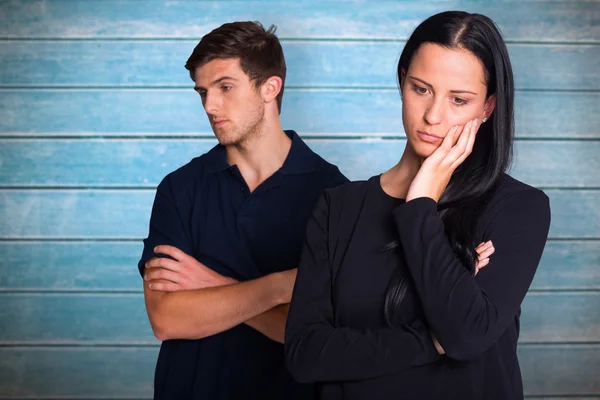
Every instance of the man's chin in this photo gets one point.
(225, 139)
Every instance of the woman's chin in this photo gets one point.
(424, 149)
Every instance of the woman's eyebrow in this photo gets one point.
(431, 87)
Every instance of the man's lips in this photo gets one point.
(219, 122)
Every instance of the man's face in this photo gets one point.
(233, 104)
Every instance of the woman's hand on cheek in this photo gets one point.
(436, 170)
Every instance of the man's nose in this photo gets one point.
(211, 104)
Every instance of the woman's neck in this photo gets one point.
(396, 181)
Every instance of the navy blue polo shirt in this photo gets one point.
(206, 210)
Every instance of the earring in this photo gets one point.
(483, 120)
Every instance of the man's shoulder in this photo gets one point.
(330, 173)
(196, 168)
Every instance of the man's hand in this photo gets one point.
(182, 272)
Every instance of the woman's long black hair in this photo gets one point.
(462, 203)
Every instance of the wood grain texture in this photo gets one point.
(115, 372)
(310, 64)
(560, 370)
(112, 266)
(361, 112)
(59, 318)
(560, 317)
(569, 265)
(72, 372)
(526, 20)
(143, 163)
(103, 318)
(76, 266)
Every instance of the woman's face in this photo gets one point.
(442, 88)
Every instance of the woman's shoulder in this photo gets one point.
(512, 193)
(348, 190)
(346, 201)
(509, 187)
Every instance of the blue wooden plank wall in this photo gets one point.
(96, 107)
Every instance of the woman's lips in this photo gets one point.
(428, 137)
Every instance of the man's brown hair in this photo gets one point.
(258, 50)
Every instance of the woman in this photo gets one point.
(389, 263)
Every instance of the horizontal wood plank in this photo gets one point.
(98, 318)
(569, 265)
(83, 372)
(49, 318)
(537, 20)
(70, 266)
(560, 317)
(567, 371)
(309, 64)
(62, 214)
(142, 162)
(560, 370)
(362, 112)
(111, 266)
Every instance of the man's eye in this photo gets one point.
(225, 88)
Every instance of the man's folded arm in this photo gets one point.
(195, 314)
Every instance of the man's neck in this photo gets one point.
(261, 155)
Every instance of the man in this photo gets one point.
(226, 230)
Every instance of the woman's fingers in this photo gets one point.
(485, 250)
(463, 146)
(481, 264)
(487, 253)
(450, 138)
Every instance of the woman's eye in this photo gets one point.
(420, 89)
(459, 102)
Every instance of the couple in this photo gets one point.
(390, 300)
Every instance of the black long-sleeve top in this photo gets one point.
(336, 332)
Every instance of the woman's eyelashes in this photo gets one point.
(457, 101)
(420, 89)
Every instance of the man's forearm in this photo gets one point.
(271, 323)
(195, 314)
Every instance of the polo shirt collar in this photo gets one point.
(299, 160)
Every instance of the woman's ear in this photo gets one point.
(489, 106)
(271, 88)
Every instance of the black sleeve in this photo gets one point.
(316, 350)
(166, 227)
(468, 314)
